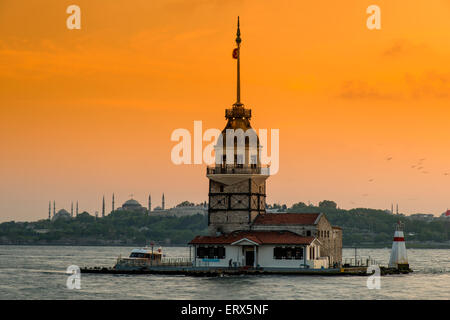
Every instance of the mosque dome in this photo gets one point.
(62, 214)
(131, 204)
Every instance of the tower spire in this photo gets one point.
(112, 203)
(237, 54)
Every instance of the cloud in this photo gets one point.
(403, 47)
(355, 89)
(429, 85)
(426, 85)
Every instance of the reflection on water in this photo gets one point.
(38, 272)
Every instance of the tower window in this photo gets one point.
(308, 233)
(221, 188)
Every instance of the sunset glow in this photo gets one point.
(363, 114)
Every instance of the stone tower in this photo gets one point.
(237, 181)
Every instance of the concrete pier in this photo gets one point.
(217, 272)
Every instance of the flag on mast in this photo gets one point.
(235, 53)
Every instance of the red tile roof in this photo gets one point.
(260, 237)
(286, 218)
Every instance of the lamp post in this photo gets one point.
(151, 261)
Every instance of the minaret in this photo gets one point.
(163, 202)
(392, 208)
(149, 203)
(103, 207)
(49, 210)
(71, 209)
(77, 209)
(397, 208)
(237, 181)
(54, 208)
(112, 203)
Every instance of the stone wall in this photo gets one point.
(329, 237)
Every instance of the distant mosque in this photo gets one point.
(183, 209)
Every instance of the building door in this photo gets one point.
(249, 258)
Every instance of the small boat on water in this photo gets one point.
(140, 258)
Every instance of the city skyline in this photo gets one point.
(363, 114)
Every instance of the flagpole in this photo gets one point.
(238, 42)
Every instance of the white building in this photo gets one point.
(181, 211)
(258, 249)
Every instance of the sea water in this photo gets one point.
(39, 272)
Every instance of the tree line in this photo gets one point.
(361, 227)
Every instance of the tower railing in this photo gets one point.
(238, 169)
(238, 113)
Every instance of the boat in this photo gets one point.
(140, 259)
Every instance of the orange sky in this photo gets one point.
(90, 112)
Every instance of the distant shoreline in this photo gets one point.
(365, 246)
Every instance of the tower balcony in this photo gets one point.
(238, 112)
(247, 169)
